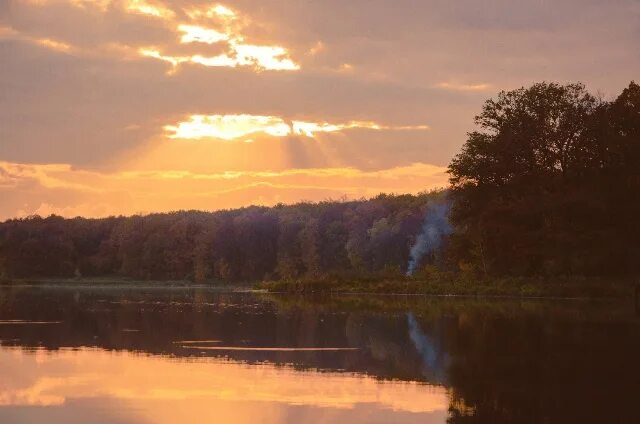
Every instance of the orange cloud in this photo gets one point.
(62, 190)
(49, 43)
(241, 53)
(198, 34)
(464, 87)
(148, 8)
(186, 23)
(217, 10)
(274, 58)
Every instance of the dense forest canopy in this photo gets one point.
(548, 185)
(310, 240)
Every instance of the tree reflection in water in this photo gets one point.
(499, 361)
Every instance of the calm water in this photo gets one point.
(160, 355)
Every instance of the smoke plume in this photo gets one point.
(435, 227)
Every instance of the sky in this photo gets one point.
(112, 107)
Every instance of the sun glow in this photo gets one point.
(261, 59)
(173, 60)
(463, 87)
(239, 53)
(231, 127)
(192, 25)
(227, 175)
(198, 34)
(222, 10)
(145, 8)
(227, 127)
(267, 57)
(218, 10)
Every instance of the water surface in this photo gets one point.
(164, 355)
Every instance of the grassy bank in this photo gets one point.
(119, 282)
(440, 285)
(516, 287)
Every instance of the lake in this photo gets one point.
(117, 354)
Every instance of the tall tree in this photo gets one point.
(527, 184)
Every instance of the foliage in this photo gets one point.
(302, 241)
(549, 184)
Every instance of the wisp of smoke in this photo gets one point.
(435, 227)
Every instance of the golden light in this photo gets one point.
(309, 128)
(463, 87)
(230, 127)
(173, 60)
(223, 174)
(220, 60)
(222, 10)
(53, 44)
(10, 33)
(198, 34)
(100, 4)
(227, 127)
(267, 57)
(260, 57)
(210, 12)
(146, 8)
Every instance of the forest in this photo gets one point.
(548, 185)
(283, 242)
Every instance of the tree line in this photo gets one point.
(548, 185)
(305, 240)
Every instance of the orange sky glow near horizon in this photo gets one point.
(113, 107)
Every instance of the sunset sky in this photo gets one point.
(135, 106)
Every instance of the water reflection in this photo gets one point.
(160, 355)
(166, 390)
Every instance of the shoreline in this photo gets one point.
(557, 289)
(496, 288)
